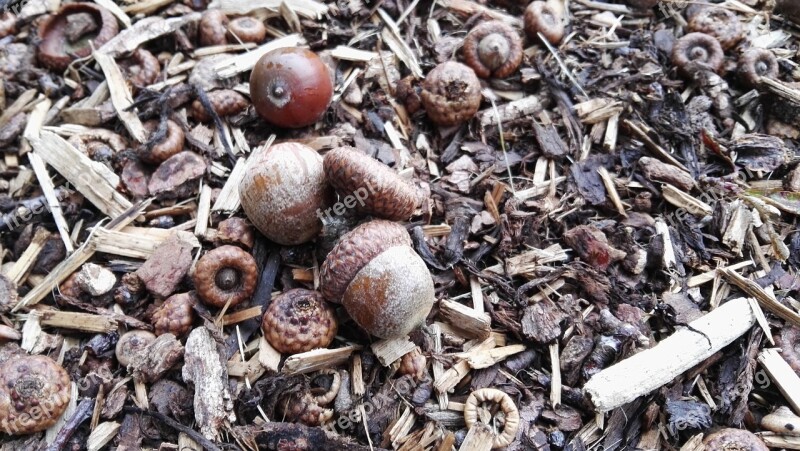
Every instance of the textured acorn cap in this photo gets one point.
(381, 190)
(731, 439)
(34, 393)
(354, 250)
(281, 191)
(392, 294)
(451, 93)
(299, 320)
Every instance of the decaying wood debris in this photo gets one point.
(608, 223)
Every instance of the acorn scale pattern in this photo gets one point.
(379, 190)
(354, 250)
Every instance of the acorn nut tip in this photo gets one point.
(34, 393)
(451, 94)
(730, 439)
(388, 289)
(282, 190)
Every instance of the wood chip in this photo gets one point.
(92, 179)
(472, 323)
(121, 96)
(317, 359)
(390, 350)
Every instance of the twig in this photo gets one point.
(564, 68)
(196, 436)
(203, 98)
(82, 413)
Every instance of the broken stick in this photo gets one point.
(648, 370)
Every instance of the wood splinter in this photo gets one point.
(648, 370)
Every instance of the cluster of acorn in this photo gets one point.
(373, 271)
(712, 32)
(451, 92)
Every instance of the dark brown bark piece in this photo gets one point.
(686, 311)
(588, 181)
(575, 352)
(541, 322)
(564, 417)
(296, 437)
(658, 171)
(8, 294)
(550, 143)
(592, 246)
(760, 152)
(135, 177)
(166, 268)
(176, 176)
(157, 358)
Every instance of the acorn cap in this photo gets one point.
(34, 393)
(354, 250)
(731, 439)
(392, 294)
(378, 190)
(299, 320)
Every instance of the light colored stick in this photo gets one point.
(526, 106)
(92, 179)
(144, 30)
(437, 366)
(136, 242)
(555, 383)
(391, 349)
(479, 438)
(306, 8)
(121, 96)
(203, 211)
(268, 356)
(19, 271)
(246, 61)
(783, 375)
(101, 435)
(651, 369)
(317, 359)
(773, 440)
(473, 323)
(52, 200)
(764, 298)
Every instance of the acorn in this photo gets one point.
(730, 439)
(34, 393)
(291, 87)
(225, 275)
(282, 191)
(130, 343)
(451, 94)
(382, 283)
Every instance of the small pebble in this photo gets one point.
(95, 280)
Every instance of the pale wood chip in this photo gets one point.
(143, 31)
(121, 96)
(92, 179)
